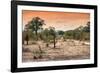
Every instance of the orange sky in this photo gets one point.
(59, 20)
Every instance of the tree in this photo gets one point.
(27, 38)
(36, 24)
(87, 27)
(68, 34)
(46, 34)
(25, 35)
(53, 33)
(60, 32)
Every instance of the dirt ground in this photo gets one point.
(65, 50)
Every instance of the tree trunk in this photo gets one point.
(27, 42)
(36, 35)
(47, 45)
(22, 40)
(27, 39)
(54, 42)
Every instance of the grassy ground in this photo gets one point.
(65, 50)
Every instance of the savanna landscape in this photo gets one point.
(53, 36)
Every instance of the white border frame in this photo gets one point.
(53, 63)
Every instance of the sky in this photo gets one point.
(60, 20)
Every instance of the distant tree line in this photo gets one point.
(81, 33)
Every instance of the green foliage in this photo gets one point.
(36, 24)
(30, 34)
(80, 33)
(49, 35)
(46, 35)
(35, 32)
(60, 32)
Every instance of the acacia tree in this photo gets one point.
(36, 24)
(53, 33)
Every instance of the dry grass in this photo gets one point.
(65, 50)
